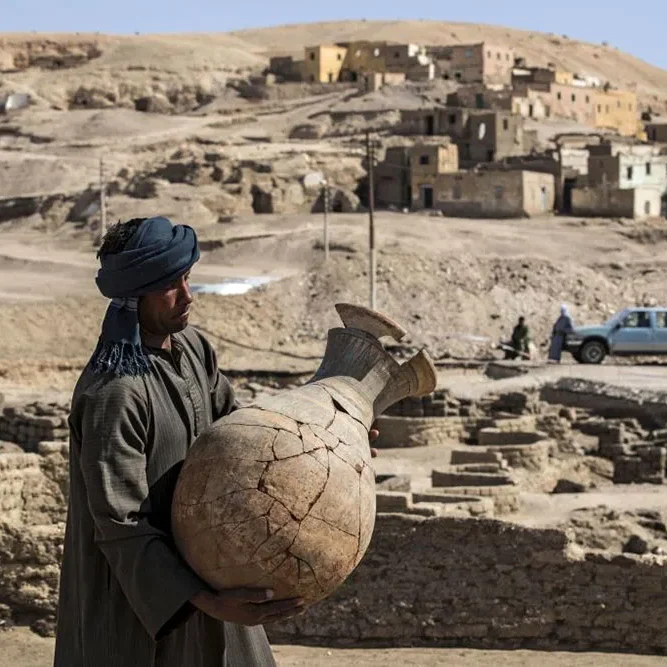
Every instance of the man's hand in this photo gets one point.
(373, 435)
(246, 606)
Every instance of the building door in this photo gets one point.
(427, 196)
(664, 206)
(479, 100)
(568, 186)
(330, 77)
(430, 125)
(543, 199)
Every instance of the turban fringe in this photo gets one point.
(156, 254)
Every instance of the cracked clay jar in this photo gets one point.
(281, 494)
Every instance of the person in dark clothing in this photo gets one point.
(150, 388)
(520, 340)
(563, 326)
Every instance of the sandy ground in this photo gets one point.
(21, 648)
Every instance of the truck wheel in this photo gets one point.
(592, 352)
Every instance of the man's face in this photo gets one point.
(167, 311)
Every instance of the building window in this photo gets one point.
(312, 56)
(456, 192)
(599, 108)
(468, 53)
(606, 108)
(376, 53)
(506, 124)
(647, 208)
(457, 76)
(507, 56)
(618, 104)
(574, 97)
(499, 56)
(339, 56)
(629, 172)
(559, 96)
(498, 192)
(423, 159)
(588, 99)
(397, 54)
(452, 119)
(648, 168)
(489, 54)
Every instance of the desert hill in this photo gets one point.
(206, 61)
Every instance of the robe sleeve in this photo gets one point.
(155, 580)
(223, 399)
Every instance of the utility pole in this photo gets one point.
(325, 199)
(103, 202)
(370, 158)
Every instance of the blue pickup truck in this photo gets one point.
(630, 332)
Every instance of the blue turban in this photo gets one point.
(155, 255)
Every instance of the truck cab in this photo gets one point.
(630, 332)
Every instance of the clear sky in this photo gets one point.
(639, 28)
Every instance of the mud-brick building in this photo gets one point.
(323, 63)
(484, 62)
(401, 166)
(608, 202)
(428, 161)
(482, 135)
(490, 194)
(624, 180)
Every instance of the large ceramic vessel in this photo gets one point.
(281, 494)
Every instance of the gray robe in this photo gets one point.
(563, 326)
(124, 589)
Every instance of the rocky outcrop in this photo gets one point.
(46, 54)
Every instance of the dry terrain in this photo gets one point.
(21, 648)
(181, 135)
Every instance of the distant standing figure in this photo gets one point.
(563, 326)
(520, 341)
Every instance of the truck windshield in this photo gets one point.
(617, 317)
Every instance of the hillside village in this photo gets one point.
(481, 127)
(467, 129)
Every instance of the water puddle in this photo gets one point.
(231, 286)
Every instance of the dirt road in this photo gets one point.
(21, 648)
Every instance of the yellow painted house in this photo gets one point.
(323, 63)
(616, 110)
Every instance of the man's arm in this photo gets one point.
(223, 400)
(156, 581)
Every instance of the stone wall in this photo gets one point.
(486, 583)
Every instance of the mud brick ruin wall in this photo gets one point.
(479, 582)
(33, 502)
(32, 424)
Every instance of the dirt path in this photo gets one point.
(21, 648)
